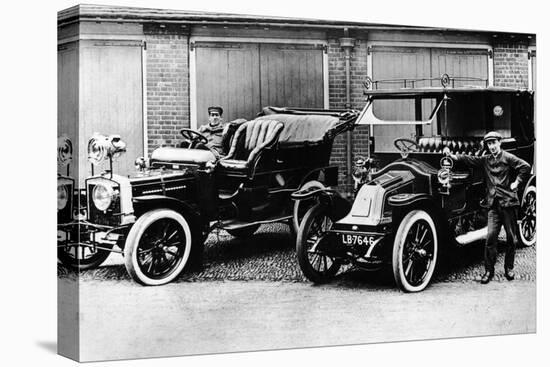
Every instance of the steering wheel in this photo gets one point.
(405, 146)
(193, 137)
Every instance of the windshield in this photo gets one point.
(463, 115)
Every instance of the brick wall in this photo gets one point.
(167, 88)
(510, 65)
(337, 99)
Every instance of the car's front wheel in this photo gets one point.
(80, 256)
(415, 251)
(528, 218)
(158, 246)
(317, 264)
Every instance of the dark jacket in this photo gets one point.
(214, 135)
(500, 172)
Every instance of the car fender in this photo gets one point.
(328, 176)
(146, 203)
(405, 202)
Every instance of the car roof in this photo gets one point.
(434, 91)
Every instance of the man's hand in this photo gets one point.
(447, 153)
(514, 186)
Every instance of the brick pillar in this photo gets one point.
(337, 99)
(167, 88)
(510, 65)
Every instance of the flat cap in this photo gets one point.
(492, 135)
(215, 109)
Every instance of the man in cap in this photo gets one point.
(213, 131)
(503, 172)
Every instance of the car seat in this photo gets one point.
(250, 141)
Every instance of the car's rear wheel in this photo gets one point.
(415, 251)
(80, 256)
(158, 246)
(244, 231)
(528, 217)
(316, 264)
(302, 206)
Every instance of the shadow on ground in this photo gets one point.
(269, 255)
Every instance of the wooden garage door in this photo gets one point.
(227, 75)
(291, 76)
(244, 77)
(419, 62)
(111, 99)
(67, 100)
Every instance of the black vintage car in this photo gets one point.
(159, 217)
(411, 203)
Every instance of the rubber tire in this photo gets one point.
(301, 249)
(295, 212)
(524, 241)
(130, 253)
(86, 264)
(400, 236)
(243, 232)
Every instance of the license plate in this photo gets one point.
(357, 239)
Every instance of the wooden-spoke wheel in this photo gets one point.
(80, 256)
(415, 251)
(158, 247)
(316, 264)
(528, 219)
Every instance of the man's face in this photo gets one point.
(214, 118)
(494, 146)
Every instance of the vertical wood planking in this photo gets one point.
(67, 102)
(111, 100)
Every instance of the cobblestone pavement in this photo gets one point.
(269, 255)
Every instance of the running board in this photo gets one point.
(473, 236)
(234, 224)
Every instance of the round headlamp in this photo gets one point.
(64, 150)
(102, 196)
(101, 147)
(62, 196)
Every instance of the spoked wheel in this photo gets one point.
(302, 206)
(80, 256)
(528, 219)
(316, 264)
(157, 247)
(415, 251)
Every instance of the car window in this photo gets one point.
(401, 109)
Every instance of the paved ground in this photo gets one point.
(120, 319)
(251, 295)
(269, 255)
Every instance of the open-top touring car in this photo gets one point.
(159, 217)
(412, 203)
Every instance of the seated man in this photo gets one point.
(213, 131)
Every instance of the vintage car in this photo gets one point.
(412, 204)
(159, 217)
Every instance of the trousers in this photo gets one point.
(497, 217)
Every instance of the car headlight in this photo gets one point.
(102, 196)
(62, 196)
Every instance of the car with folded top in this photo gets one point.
(159, 217)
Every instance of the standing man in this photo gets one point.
(213, 131)
(503, 172)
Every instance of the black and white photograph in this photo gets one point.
(233, 183)
(233, 179)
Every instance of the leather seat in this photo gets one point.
(457, 145)
(250, 140)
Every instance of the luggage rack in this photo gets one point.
(407, 83)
